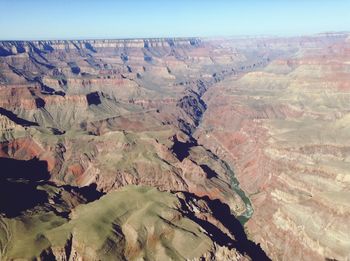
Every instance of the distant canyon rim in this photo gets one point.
(175, 149)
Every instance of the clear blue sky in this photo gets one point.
(76, 19)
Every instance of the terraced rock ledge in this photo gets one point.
(175, 149)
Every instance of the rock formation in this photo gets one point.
(236, 137)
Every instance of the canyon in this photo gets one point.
(175, 149)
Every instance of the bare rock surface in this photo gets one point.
(253, 128)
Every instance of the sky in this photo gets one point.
(79, 19)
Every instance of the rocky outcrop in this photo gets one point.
(112, 227)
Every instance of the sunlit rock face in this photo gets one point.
(257, 124)
(285, 130)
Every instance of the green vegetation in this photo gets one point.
(133, 222)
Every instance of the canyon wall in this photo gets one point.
(253, 128)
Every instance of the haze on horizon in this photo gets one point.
(79, 19)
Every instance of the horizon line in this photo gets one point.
(180, 37)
